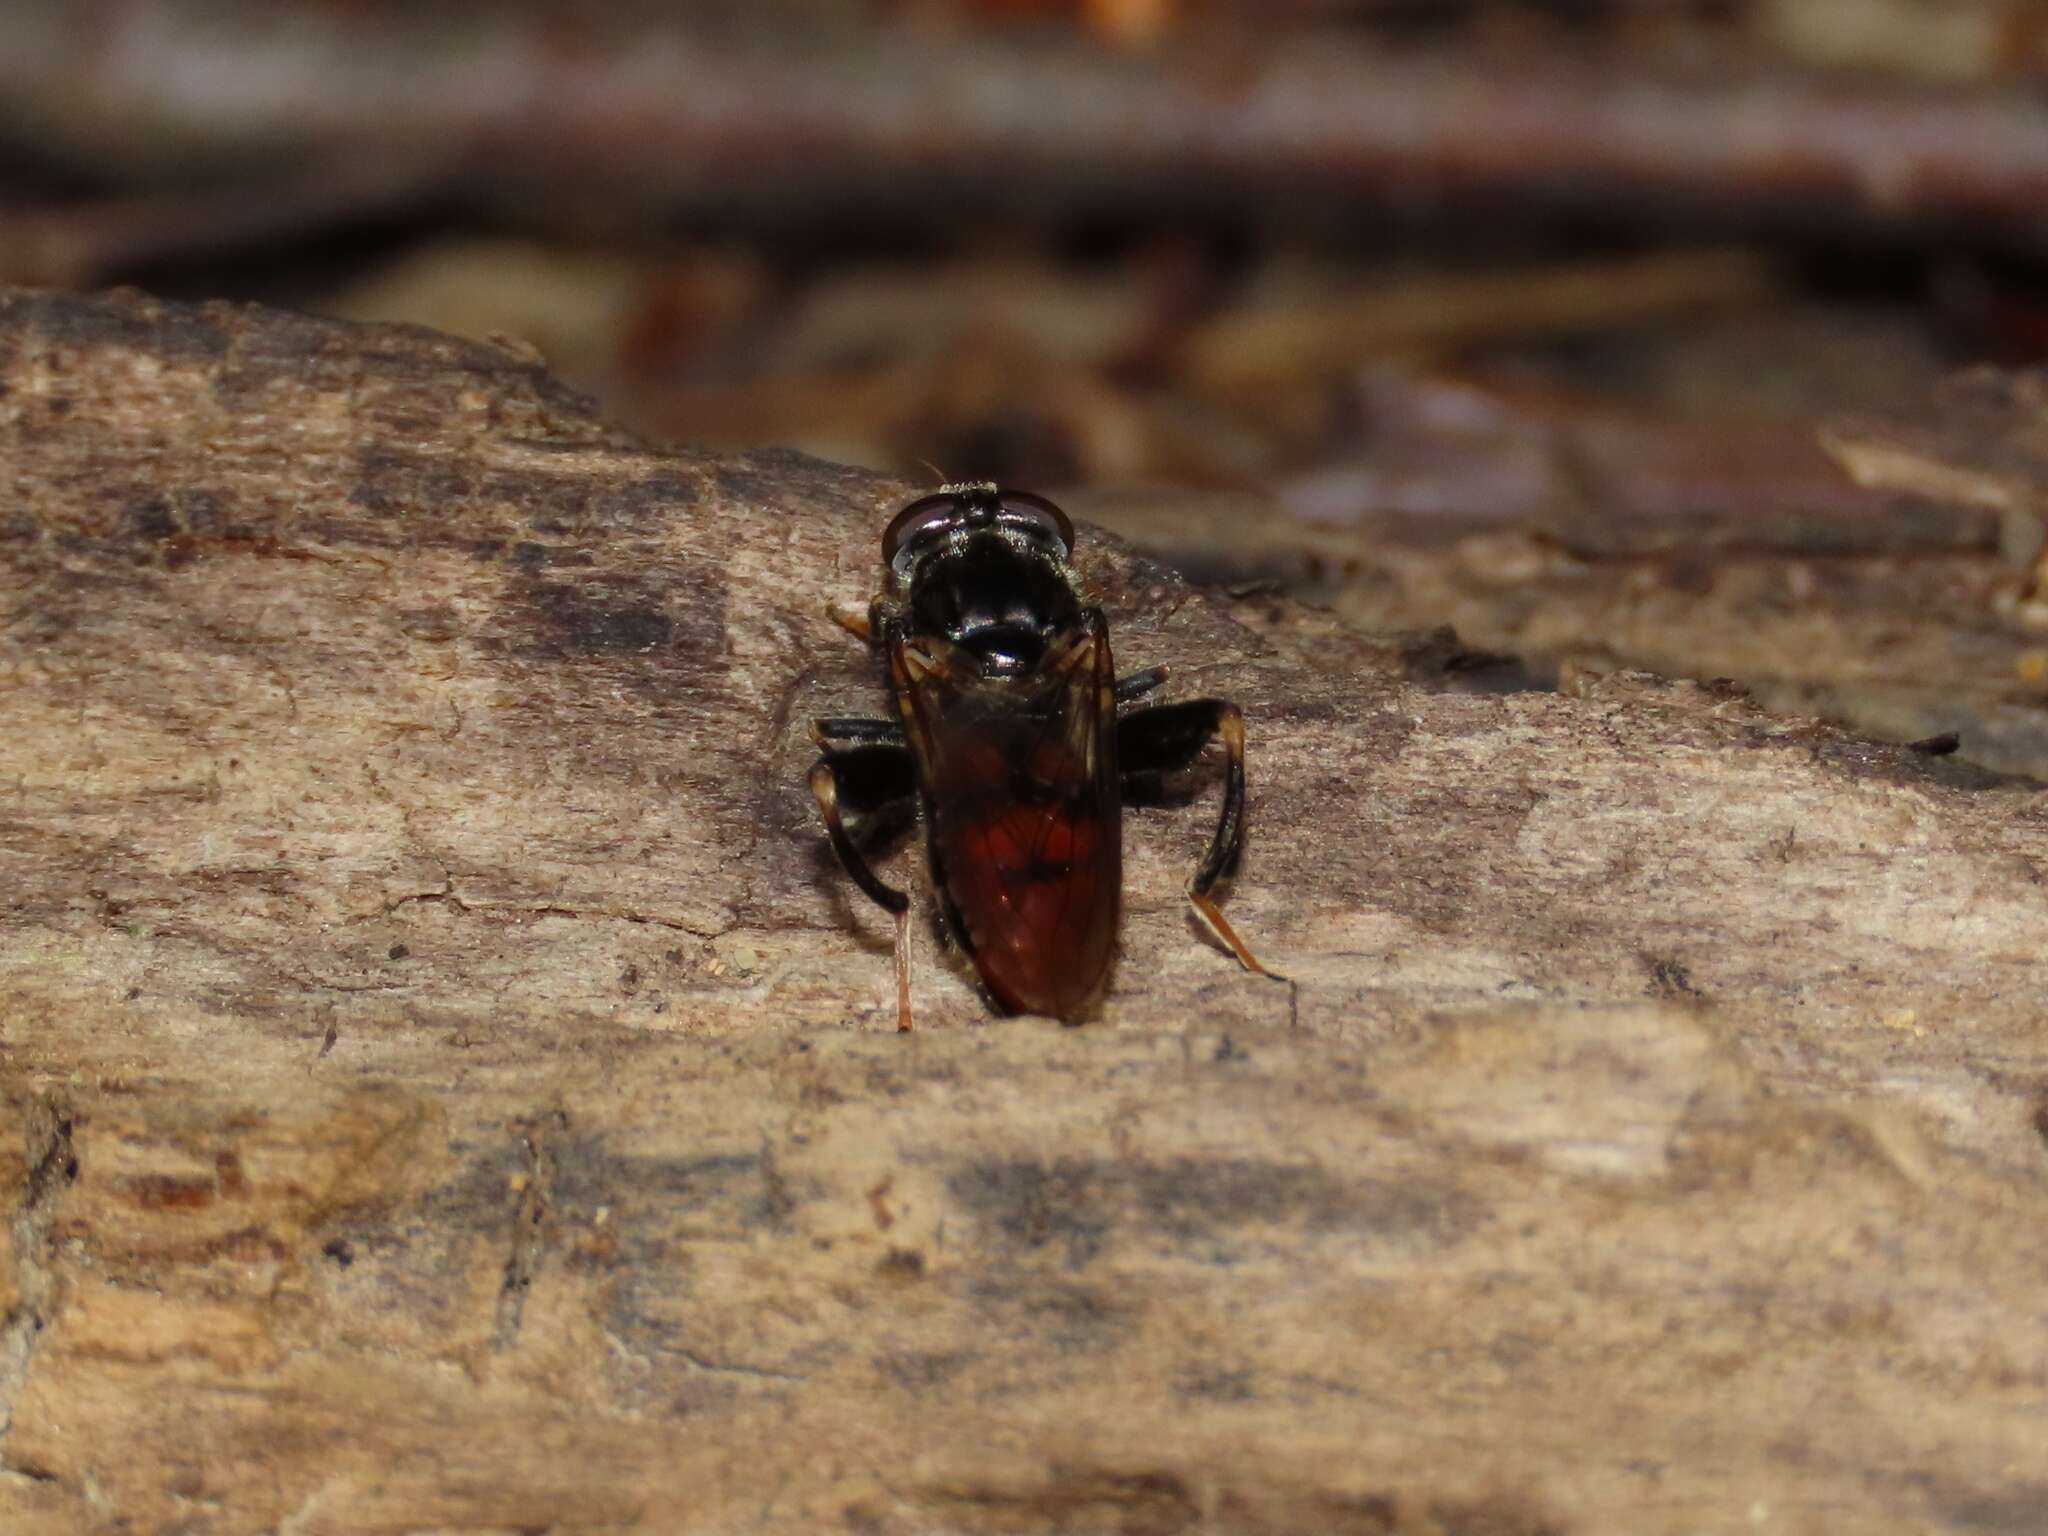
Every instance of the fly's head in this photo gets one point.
(955, 516)
(985, 569)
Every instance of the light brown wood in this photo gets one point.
(448, 1088)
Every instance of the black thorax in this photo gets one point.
(995, 598)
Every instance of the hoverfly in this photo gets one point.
(1012, 742)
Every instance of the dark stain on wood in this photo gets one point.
(2014, 1509)
(394, 483)
(736, 1193)
(592, 620)
(181, 334)
(917, 1370)
(1073, 1499)
(1079, 1205)
(1064, 1317)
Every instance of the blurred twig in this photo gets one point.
(81, 244)
(637, 121)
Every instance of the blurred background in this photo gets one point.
(1539, 336)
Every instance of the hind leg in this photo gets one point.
(868, 779)
(1168, 737)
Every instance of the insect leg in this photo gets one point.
(828, 775)
(855, 621)
(858, 733)
(872, 783)
(930, 658)
(1169, 737)
(1137, 684)
(1166, 738)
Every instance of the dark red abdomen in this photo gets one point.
(1034, 889)
(1019, 783)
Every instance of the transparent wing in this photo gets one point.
(1023, 818)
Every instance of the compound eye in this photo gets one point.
(1022, 509)
(923, 516)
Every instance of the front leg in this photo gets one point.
(1135, 685)
(1169, 737)
(868, 779)
(858, 731)
(858, 622)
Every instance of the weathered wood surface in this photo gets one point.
(447, 1088)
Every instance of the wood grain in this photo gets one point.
(446, 1086)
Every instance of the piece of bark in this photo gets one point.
(448, 1085)
(1260, 346)
(1982, 443)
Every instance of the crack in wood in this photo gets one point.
(704, 1363)
(448, 897)
(52, 1168)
